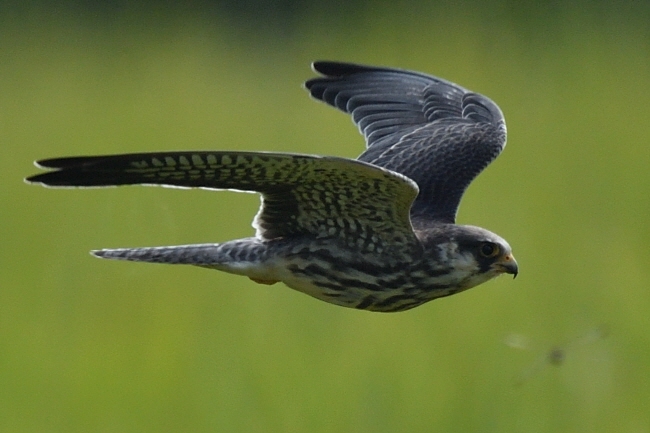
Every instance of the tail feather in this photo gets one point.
(201, 255)
(248, 250)
(248, 257)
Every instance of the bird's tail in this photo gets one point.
(240, 250)
(201, 254)
(248, 257)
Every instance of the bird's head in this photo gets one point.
(490, 251)
(474, 255)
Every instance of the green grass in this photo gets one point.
(90, 345)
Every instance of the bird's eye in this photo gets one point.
(488, 249)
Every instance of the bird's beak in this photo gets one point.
(508, 264)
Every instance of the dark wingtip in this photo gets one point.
(38, 178)
(323, 66)
(332, 68)
(58, 175)
(53, 163)
(329, 70)
(316, 65)
(45, 164)
(49, 178)
(32, 180)
(82, 171)
(56, 179)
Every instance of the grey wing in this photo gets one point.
(359, 203)
(433, 131)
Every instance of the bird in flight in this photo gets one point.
(377, 233)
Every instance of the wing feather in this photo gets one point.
(430, 130)
(362, 204)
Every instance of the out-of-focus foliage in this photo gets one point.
(90, 345)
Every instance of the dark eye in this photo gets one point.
(488, 249)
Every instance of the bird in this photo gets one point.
(376, 233)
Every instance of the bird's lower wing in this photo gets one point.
(364, 205)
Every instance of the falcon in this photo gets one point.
(377, 233)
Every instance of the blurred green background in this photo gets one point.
(100, 346)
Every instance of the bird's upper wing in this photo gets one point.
(428, 129)
(362, 204)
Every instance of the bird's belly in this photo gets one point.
(365, 286)
(396, 291)
(346, 293)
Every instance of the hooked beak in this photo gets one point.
(508, 265)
